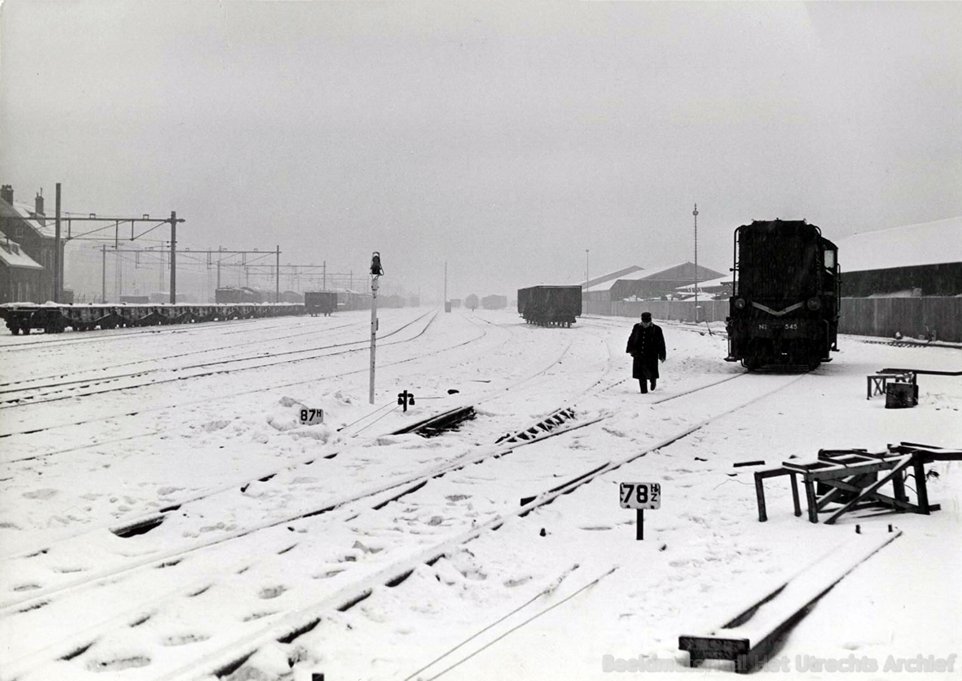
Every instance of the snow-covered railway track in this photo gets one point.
(92, 374)
(234, 394)
(21, 397)
(42, 340)
(416, 492)
(374, 499)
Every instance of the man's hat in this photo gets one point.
(646, 316)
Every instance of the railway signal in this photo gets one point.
(404, 399)
(376, 272)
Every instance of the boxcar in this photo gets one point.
(785, 304)
(320, 302)
(550, 305)
(494, 302)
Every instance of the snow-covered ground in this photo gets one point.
(238, 529)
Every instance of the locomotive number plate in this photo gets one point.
(640, 495)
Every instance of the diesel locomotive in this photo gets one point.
(784, 308)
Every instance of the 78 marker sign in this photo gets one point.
(640, 496)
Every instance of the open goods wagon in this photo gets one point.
(550, 305)
(53, 318)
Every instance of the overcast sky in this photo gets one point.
(505, 138)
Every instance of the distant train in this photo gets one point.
(494, 302)
(244, 294)
(550, 305)
(785, 305)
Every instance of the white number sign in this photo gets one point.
(640, 495)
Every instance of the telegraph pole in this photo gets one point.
(695, 215)
(173, 257)
(277, 275)
(376, 272)
(587, 251)
(103, 273)
(57, 255)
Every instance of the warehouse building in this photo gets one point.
(911, 261)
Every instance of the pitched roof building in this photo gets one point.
(922, 259)
(34, 237)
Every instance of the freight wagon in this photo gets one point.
(51, 318)
(494, 302)
(320, 302)
(550, 305)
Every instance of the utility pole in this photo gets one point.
(57, 256)
(695, 215)
(324, 276)
(173, 257)
(376, 272)
(103, 273)
(277, 274)
(587, 251)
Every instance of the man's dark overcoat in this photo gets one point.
(647, 346)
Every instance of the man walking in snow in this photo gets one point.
(646, 345)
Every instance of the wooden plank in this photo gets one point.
(760, 498)
(798, 508)
(749, 636)
(885, 478)
(921, 489)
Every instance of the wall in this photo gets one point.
(912, 317)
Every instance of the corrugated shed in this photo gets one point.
(927, 243)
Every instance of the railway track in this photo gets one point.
(208, 399)
(200, 370)
(336, 513)
(273, 542)
(5, 386)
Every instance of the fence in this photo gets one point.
(926, 317)
(912, 317)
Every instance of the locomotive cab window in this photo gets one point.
(830, 260)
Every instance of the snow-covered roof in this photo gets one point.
(12, 256)
(604, 281)
(927, 243)
(711, 283)
(25, 211)
(651, 272)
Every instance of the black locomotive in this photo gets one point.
(784, 309)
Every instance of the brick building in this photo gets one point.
(33, 235)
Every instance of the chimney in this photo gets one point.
(38, 203)
(6, 193)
